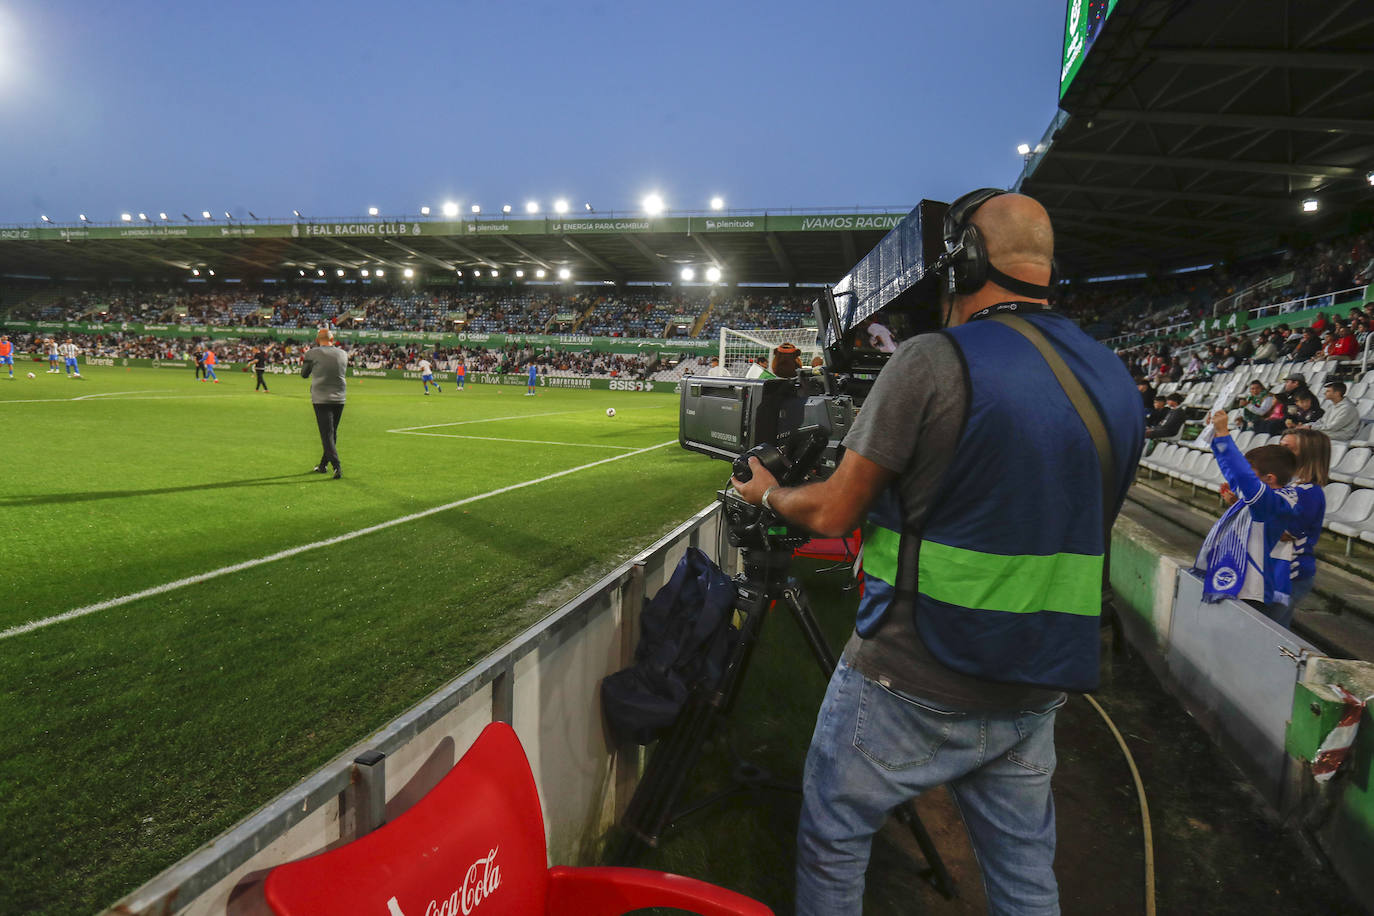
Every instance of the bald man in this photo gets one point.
(985, 506)
(325, 365)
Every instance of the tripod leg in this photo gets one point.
(936, 873)
(810, 627)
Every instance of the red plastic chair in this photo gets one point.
(474, 846)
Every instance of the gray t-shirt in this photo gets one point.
(911, 423)
(325, 367)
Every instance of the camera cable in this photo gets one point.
(1144, 807)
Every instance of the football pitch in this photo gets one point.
(191, 620)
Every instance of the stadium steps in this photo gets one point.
(1338, 617)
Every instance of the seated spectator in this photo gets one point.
(1304, 411)
(1344, 345)
(1234, 564)
(1309, 345)
(1172, 422)
(1266, 352)
(1147, 393)
(1342, 421)
(1257, 405)
(1157, 413)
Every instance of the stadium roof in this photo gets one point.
(774, 246)
(1195, 131)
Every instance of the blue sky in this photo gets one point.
(330, 108)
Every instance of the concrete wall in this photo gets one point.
(545, 683)
(1237, 673)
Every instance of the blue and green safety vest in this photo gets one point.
(1005, 575)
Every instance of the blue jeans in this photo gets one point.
(875, 748)
(1301, 589)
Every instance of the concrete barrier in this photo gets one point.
(545, 683)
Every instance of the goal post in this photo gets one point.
(739, 348)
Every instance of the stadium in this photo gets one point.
(218, 663)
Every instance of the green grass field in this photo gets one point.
(136, 732)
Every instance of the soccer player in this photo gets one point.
(210, 360)
(460, 374)
(7, 354)
(69, 352)
(53, 355)
(427, 376)
(199, 354)
(534, 378)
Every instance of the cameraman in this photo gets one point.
(983, 562)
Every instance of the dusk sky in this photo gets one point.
(331, 108)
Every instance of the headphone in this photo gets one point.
(966, 253)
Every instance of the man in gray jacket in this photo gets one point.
(325, 365)
(1342, 419)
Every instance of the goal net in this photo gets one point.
(739, 348)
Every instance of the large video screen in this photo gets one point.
(1082, 25)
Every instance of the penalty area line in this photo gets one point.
(29, 627)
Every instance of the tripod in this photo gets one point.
(653, 809)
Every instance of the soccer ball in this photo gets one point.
(31, 375)
(610, 411)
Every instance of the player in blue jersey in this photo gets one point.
(534, 379)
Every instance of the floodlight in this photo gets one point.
(476, 208)
(83, 218)
(588, 208)
(713, 274)
(505, 208)
(228, 215)
(1310, 205)
(212, 273)
(320, 272)
(688, 274)
(717, 203)
(162, 216)
(127, 217)
(652, 204)
(377, 272)
(496, 273)
(1023, 149)
(44, 218)
(540, 273)
(450, 208)
(252, 215)
(408, 273)
(301, 272)
(560, 206)
(519, 273)
(143, 216)
(205, 214)
(531, 206)
(424, 211)
(339, 272)
(458, 272)
(364, 272)
(371, 211)
(195, 272)
(1369, 177)
(296, 214)
(564, 273)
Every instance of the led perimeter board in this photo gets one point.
(1082, 24)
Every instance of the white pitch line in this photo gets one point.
(625, 448)
(521, 416)
(293, 551)
(119, 394)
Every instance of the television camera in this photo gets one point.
(795, 426)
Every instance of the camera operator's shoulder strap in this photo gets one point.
(1087, 410)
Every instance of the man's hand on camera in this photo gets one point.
(752, 490)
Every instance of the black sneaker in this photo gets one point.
(338, 473)
(320, 469)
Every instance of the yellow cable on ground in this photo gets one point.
(1144, 809)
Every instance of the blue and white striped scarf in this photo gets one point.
(1225, 554)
